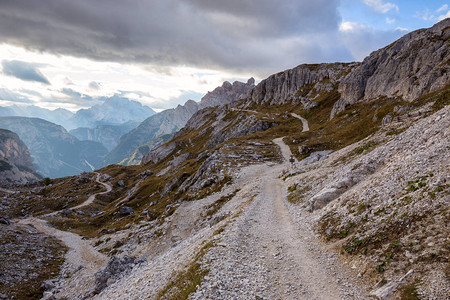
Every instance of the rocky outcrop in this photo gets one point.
(56, 153)
(159, 153)
(330, 193)
(172, 120)
(283, 87)
(15, 160)
(116, 268)
(226, 93)
(141, 151)
(416, 64)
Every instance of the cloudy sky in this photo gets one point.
(73, 54)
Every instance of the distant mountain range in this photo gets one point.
(58, 116)
(108, 135)
(114, 111)
(113, 126)
(55, 152)
(129, 150)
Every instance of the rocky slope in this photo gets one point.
(15, 160)
(55, 152)
(107, 135)
(246, 201)
(172, 120)
(416, 64)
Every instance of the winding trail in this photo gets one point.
(270, 252)
(92, 197)
(304, 122)
(81, 252)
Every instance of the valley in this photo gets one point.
(324, 181)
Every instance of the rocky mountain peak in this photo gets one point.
(282, 87)
(414, 65)
(226, 93)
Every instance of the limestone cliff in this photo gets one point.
(283, 87)
(414, 65)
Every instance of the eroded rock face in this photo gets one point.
(415, 65)
(282, 87)
(159, 153)
(226, 93)
(15, 160)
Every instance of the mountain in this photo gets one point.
(325, 181)
(415, 65)
(58, 116)
(172, 120)
(107, 135)
(55, 152)
(113, 111)
(15, 160)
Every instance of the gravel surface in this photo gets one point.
(269, 254)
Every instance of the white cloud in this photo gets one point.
(429, 16)
(352, 26)
(402, 29)
(442, 17)
(442, 8)
(362, 39)
(95, 79)
(380, 6)
(390, 21)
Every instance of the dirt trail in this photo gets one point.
(268, 253)
(92, 197)
(80, 253)
(299, 269)
(82, 258)
(304, 122)
(285, 150)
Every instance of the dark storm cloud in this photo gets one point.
(23, 70)
(234, 34)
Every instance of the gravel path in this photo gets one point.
(80, 251)
(270, 254)
(304, 122)
(82, 259)
(92, 197)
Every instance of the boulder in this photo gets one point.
(115, 268)
(126, 210)
(5, 221)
